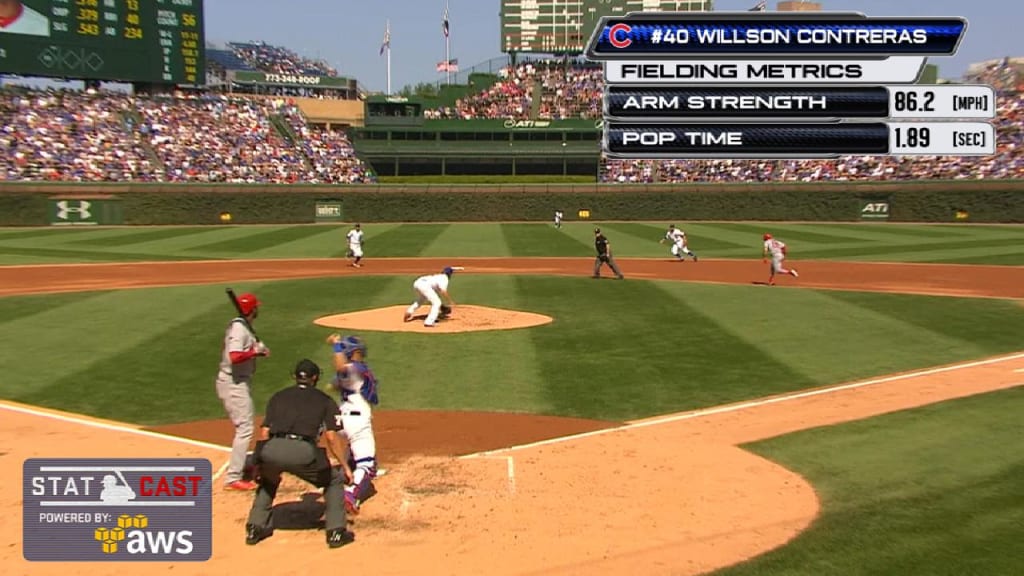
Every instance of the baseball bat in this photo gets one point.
(238, 308)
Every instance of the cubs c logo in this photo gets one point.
(613, 38)
(63, 209)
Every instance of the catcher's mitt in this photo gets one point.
(446, 311)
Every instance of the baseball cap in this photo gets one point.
(306, 369)
(597, 230)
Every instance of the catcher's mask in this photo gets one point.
(353, 343)
(307, 372)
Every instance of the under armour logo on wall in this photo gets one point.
(64, 208)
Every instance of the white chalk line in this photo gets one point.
(117, 427)
(220, 471)
(511, 471)
(750, 404)
(1019, 371)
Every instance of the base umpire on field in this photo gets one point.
(288, 442)
(604, 255)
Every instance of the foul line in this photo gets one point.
(84, 421)
(750, 404)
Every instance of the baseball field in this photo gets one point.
(860, 419)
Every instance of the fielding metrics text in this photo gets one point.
(725, 71)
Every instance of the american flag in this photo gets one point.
(387, 39)
(450, 66)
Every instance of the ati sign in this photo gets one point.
(117, 510)
(328, 211)
(874, 210)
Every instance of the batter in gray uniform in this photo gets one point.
(234, 383)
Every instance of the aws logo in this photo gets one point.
(134, 535)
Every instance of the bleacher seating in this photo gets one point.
(226, 60)
(278, 60)
(85, 136)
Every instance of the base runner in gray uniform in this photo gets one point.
(234, 386)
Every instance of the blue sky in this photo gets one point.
(348, 33)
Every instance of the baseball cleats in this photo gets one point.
(340, 537)
(241, 485)
(254, 534)
(793, 272)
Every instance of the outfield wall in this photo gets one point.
(34, 204)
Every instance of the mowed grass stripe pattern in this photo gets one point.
(935, 490)
(615, 351)
(1003, 245)
(624, 350)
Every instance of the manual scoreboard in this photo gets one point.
(158, 41)
(564, 26)
(784, 85)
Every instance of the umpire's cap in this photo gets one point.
(307, 372)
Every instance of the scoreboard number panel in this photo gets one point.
(157, 41)
(555, 26)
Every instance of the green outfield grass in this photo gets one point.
(616, 351)
(932, 491)
(974, 244)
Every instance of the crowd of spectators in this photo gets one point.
(1005, 75)
(72, 135)
(575, 92)
(279, 60)
(216, 138)
(564, 92)
(67, 135)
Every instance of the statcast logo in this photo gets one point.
(133, 535)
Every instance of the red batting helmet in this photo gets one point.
(767, 236)
(248, 302)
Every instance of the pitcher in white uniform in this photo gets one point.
(431, 288)
(777, 249)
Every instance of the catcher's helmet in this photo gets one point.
(353, 343)
(248, 302)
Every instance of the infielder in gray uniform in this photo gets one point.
(234, 383)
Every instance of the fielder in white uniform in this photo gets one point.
(17, 18)
(355, 245)
(558, 218)
(678, 239)
(777, 249)
(358, 387)
(431, 288)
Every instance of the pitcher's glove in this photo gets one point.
(446, 311)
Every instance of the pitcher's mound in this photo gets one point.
(465, 318)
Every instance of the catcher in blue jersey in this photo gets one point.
(358, 388)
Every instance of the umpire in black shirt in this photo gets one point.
(287, 442)
(604, 255)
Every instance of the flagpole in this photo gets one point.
(388, 48)
(447, 47)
